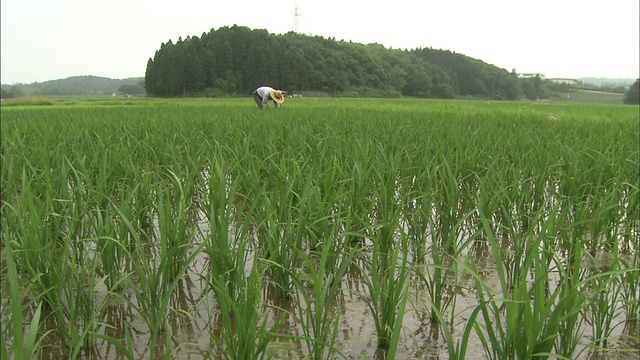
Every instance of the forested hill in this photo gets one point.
(235, 60)
(77, 86)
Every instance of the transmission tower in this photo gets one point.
(296, 15)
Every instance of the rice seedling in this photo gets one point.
(317, 294)
(111, 250)
(280, 233)
(81, 308)
(387, 290)
(448, 199)
(244, 328)
(36, 240)
(436, 278)
(16, 341)
(417, 215)
(226, 251)
(457, 347)
(358, 196)
(53, 267)
(125, 349)
(156, 277)
(175, 234)
(631, 288)
(603, 308)
(571, 275)
(524, 320)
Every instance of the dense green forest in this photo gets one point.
(235, 60)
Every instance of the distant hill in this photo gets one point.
(77, 86)
(607, 81)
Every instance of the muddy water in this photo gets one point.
(195, 320)
(192, 338)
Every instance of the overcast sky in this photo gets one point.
(46, 40)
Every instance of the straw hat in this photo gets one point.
(277, 96)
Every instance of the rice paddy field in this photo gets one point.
(326, 229)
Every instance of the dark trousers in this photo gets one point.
(257, 98)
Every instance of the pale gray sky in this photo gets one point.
(46, 40)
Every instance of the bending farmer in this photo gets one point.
(265, 93)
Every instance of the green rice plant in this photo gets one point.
(156, 278)
(387, 290)
(387, 206)
(72, 297)
(531, 200)
(280, 233)
(441, 275)
(80, 310)
(525, 320)
(174, 227)
(630, 215)
(603, 306)
(417, 213)
(358, 195)
(140, 202)
(126, 349)
(631, 288)
(244, 326)
(75, 304)
(16, 341)
(388, 270)
(35, 229)
(605, 291)
(314, 215)
(571, 274)
(317, 295)
(488, 192)
(599, 220)
(110, 249)
(435, 278)
(448, 197)
(601, 214)
(53, 253)
(225, 250)
(324, 190)
(457, 347)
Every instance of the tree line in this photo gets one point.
(233, 61)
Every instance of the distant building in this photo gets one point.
(564, 81)
(531, 75)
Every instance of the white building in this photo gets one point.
(531, 75)
(564, 81)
